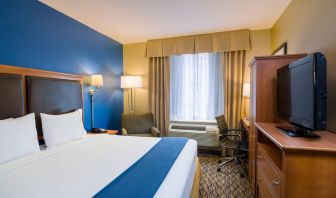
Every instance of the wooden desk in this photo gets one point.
(294, 166)
(246, 124)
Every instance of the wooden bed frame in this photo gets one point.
(197, 180)
(6, 69)
(26, 73)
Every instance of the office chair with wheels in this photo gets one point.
(238, 146)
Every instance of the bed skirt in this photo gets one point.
(197, 179)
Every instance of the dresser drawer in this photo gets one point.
(270, 174)
(263, 189)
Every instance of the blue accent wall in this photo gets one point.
(33, 35)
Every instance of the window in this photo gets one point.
(196, 92)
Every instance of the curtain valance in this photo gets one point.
(215, 42)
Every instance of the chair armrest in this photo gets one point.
(238, 130)
(230, 135)
(123, 131)
(155, 132)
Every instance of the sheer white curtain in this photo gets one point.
(196, 87)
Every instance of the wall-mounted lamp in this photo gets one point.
(130, 83)
(95, 81)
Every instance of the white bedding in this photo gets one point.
(82, 168)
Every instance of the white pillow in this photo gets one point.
(60, 129)
(18, 138)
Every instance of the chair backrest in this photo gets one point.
(137, 124)
(222, 125)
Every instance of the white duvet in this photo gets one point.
(83, 167)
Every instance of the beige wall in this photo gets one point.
(135, 63)
(260, 46)
(310, 26)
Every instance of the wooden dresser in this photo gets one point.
(263, 99)
(279, 165)
(294, 166)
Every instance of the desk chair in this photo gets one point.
(237, 145)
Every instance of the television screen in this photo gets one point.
(284, 102)
(302, 92)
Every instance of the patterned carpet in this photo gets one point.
(226, 183)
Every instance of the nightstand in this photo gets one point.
(110, 132)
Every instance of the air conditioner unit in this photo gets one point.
(205, 133)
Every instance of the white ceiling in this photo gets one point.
(131, 21)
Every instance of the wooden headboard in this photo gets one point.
(24, 91)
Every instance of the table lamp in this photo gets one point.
(246, 90)
(246, 95)
(130, 83)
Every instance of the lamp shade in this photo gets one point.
(131, 82)
(96, 80)
(246, 90)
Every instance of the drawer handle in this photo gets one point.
(259, 156)
(275, 182)
(259, 178)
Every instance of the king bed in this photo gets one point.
(93, 165)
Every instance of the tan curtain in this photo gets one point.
(159, 92)
(234, 67)
(214, 42)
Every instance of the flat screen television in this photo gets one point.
(302, 95)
